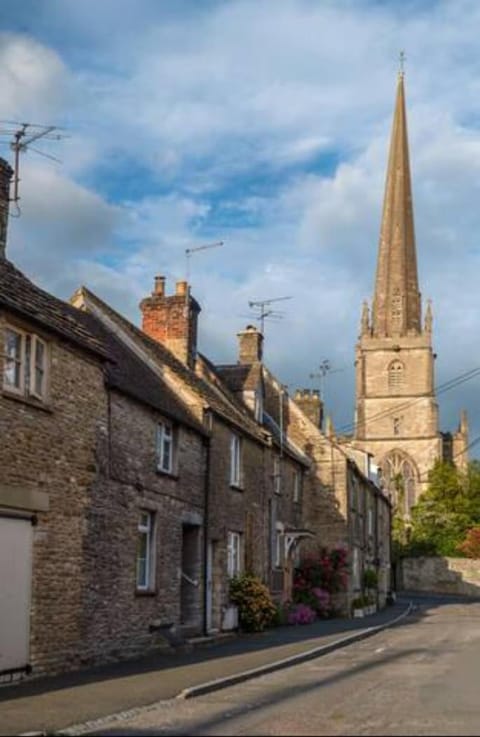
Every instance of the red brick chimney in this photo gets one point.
(172, 320)
(5, 176)
(250, 345)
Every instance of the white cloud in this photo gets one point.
(225, 110)
(32, 79)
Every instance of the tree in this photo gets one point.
(446, 511)
(401, 527)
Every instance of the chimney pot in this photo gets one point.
(159, 286)
(181, 288)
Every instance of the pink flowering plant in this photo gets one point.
(318, 577)
(301, 614)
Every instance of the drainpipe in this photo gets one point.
(206, 528)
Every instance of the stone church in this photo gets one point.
(396, 416)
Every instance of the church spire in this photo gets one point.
(396, 304)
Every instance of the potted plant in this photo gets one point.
(370, 583)
(358, 606)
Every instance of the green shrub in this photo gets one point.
(359, 602)
(256, 609)
(370, 579)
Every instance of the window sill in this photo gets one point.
(168, 474)
(30, 401)
(145, 592)
(236, 487)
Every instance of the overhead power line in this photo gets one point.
(440, 389)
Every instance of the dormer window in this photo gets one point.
(25, 364)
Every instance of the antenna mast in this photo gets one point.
(22, 135)
(188, 255)
(324, 369)
(266, 311)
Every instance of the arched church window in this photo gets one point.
(396, 374)
(399, 479)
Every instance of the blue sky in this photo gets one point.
(265, 124)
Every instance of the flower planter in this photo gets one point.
(230, 618)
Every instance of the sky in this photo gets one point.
(263, 124)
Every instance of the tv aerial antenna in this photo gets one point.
(20, 136)
(188, 256)
(324, 369)
(266, 311)
(195, 249)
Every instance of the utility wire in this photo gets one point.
(475, 441)
(441, 389)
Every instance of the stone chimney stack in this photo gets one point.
(172, 320)
(250, 345)
(5, 177)
(311, 405)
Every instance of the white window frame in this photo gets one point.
(279, 542)
(296, 485)
(35, 341)
(235, 460)
(369, 521)
(165, 447)
(277, 475)
(234, 553)
(356, 567)
(147, 530)
(11, 387)
(28, 367)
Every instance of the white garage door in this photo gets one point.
(15, 582)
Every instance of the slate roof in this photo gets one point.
(242, 376)
(19, 295)
(214, 393)
(127, 373)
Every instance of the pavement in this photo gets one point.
(76, 703)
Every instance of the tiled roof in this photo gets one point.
(242, 376)
(214, 393)
(127, 373)
(21, 296)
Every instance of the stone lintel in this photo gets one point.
(18, 497)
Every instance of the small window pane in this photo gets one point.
(144, 553)
(13, 359)
(165, 448)
(142, 560)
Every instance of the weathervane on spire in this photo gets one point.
(401, 61)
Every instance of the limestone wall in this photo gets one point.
(441, 575)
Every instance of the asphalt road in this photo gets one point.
(419, 678)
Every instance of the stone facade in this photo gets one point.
(459, 576)
(49, 459)
(123, 620)
(343, 505)
(82, 461)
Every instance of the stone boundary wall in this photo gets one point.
(441, 575)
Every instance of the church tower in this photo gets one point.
(396, 410)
